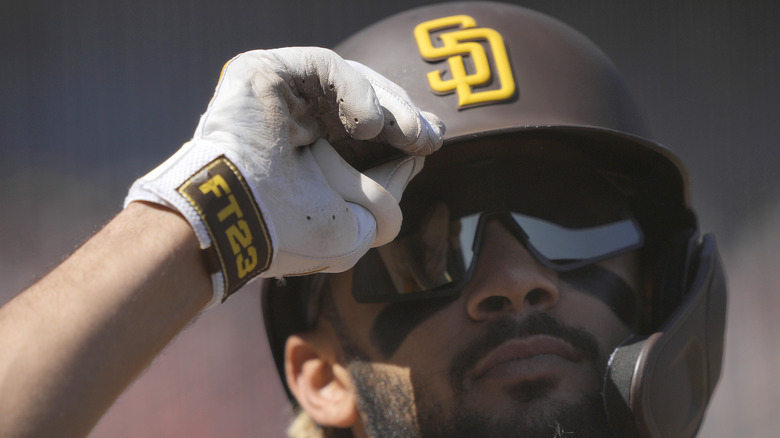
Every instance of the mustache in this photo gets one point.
(508, 328)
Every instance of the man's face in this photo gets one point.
(520, 351)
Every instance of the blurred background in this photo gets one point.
(95, 93)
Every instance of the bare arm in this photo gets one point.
(70, 344)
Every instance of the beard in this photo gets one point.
(584, 419)
(393, 404)
(385, 400)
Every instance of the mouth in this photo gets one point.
(533, 349)
(527, 358)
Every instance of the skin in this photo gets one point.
(73, 341)
(508, 286)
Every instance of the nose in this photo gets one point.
(508, 279)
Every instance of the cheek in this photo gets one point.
(397, 321)
(606, 285)
(431, 379)
(429, 350)
(589, 313)
(433, 340)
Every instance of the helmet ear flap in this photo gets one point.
(287, 309)
(659, 386)
(678, 258)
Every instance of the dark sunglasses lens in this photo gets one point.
(437, 256)
(564, 248)
(432, 256)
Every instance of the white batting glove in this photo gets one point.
(265, 192)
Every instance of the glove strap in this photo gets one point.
(240, 240)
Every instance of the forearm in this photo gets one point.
(72, 342)
(262, 188)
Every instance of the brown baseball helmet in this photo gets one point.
(500, 77)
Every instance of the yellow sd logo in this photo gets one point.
(454, 46)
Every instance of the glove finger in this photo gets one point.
(395, 175)
(357, 188)
(324, 85)
(406, 127)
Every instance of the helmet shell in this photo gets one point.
(558, 77)
(492, 69)
(501, 75)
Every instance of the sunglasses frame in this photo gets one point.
(363, 281)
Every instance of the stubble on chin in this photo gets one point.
(389, 409)
(537, 411)
(583, 419)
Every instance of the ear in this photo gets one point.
(322, 386)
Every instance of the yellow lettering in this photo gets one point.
(232, 208)
(239, 236)
(246, 265)
(214, 185)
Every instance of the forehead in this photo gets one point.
(538, 176)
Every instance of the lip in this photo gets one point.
(516, 351)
